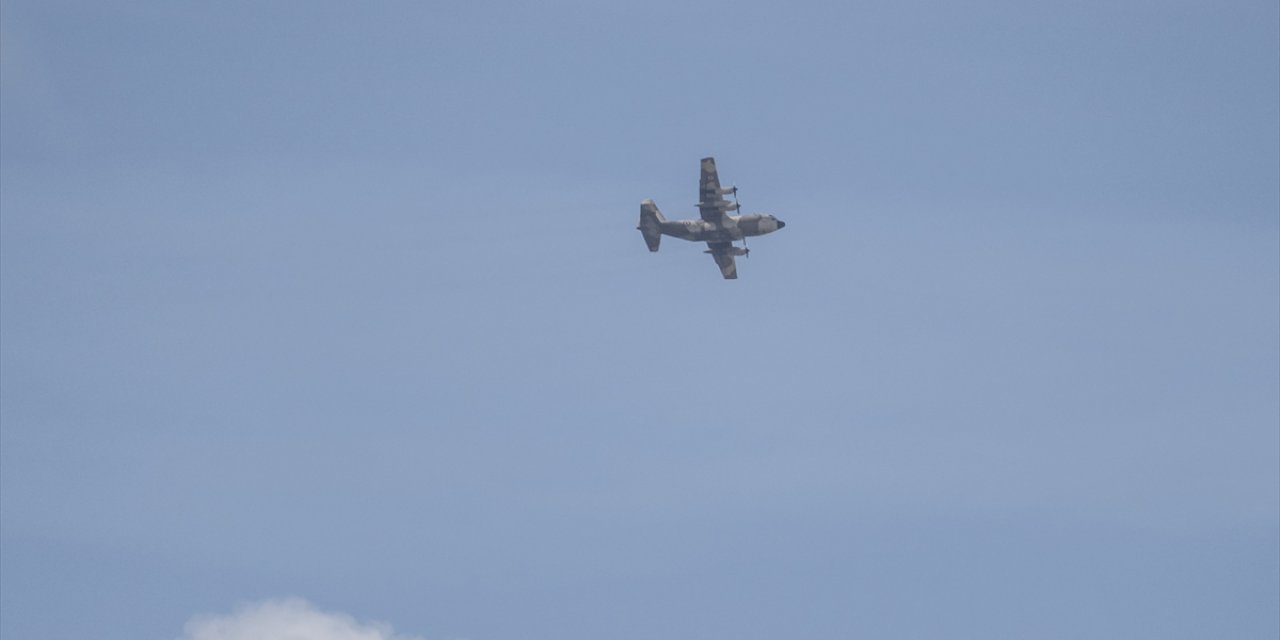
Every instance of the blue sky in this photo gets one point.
(346, 303)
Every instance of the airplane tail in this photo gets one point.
(651, 224)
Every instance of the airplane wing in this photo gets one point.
(723, 252)
(711, 202)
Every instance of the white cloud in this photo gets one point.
(288, 619)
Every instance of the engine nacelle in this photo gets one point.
(731, 251)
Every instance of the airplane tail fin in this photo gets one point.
(651, 224)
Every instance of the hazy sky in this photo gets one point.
(345, 302)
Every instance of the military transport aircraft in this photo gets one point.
(716, 228)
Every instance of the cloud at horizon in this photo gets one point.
(286, 619)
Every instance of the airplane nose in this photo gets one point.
(781, 224)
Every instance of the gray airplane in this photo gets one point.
(716, 228)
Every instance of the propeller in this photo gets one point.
(738, 208)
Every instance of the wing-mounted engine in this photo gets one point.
(721, 205)
(728, 251)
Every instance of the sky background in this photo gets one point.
(345, 302)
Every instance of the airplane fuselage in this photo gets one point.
(732, 228)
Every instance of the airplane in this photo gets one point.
(716, 228)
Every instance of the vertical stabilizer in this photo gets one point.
(651, 224)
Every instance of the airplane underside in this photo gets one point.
(715, 227)
(678, 230)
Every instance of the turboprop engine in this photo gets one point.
(730, 251)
